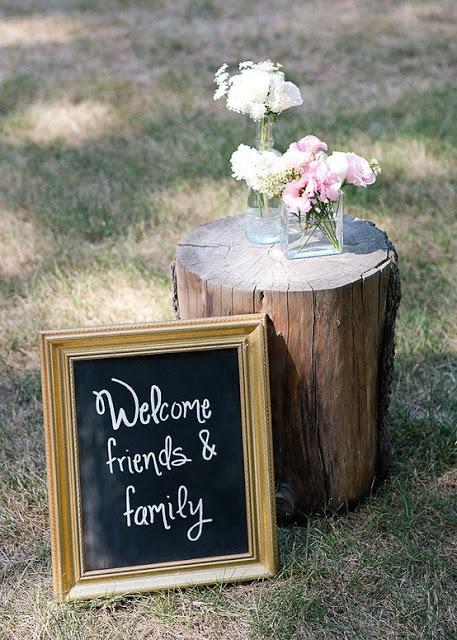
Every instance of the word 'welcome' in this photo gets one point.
(154, 409)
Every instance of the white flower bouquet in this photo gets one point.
(258, 90)
(261, 91)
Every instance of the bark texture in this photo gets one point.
(331, 349)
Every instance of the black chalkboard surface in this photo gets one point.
(159, 455)
(161, 463)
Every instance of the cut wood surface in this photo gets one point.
(330, 350)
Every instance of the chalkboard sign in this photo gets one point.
(159, 455)
(160, 458)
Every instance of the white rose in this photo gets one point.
(293, 96)
(337, 163)
(283, 94)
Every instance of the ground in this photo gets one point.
(111, 148)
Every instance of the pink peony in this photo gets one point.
(333, 189)
(321, 176)
(337, 163)
(359, 171)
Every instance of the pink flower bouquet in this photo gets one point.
(310, 183)
(314, 195)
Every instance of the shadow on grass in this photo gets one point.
(16, 92)
(104, 188)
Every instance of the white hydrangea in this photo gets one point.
(260, 88)
(221, 70)
(268, 65)
(220, 91)
(243, 161)
(257, 110)
(263, 171)
(248, 90)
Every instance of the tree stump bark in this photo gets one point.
(331, 347)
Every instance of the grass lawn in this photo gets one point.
(111, 148)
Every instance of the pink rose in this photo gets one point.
(359, 171)
(300, 153)
(311, 144)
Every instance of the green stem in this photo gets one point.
(323, 220)
(310, 235)
(264, 143)
(328, 227)
(265, 133)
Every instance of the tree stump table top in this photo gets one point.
(219, 252)
(330, 350)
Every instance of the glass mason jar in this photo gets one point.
(306, 235)
(263, 214)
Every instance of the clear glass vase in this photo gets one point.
(263, 218)
(263, 214)
(312, 234)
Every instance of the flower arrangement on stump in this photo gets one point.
(261, 91)
(310, 184)
(312, 217)
(295, 197)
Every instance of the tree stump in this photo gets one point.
(331, 347)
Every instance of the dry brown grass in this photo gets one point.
(71, 123)
(29, 31)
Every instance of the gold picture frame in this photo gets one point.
(59, 350)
